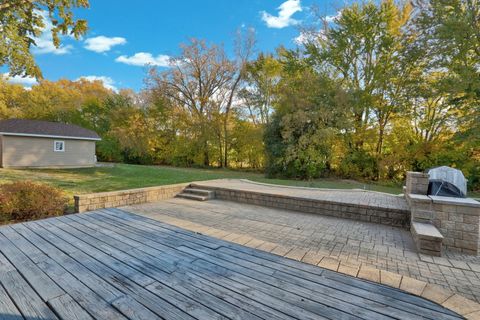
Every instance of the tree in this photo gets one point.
(246, 141)
(448, 33)
(12, 99)
(363, 48)
(309, 114)
(262, 77)
(244, 46)
(447, 90)
(198, 82)
(62, 100)
(21, 21)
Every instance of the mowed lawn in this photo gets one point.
(125, 176)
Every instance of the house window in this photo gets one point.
(59, 146)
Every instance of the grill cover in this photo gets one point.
(444, 189)
(449, 176)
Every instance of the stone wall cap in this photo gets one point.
(415, 196)
(415, 173)
(129, 191)
(467, 202)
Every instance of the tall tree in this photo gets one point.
(262, 77)
(310, 111)
(198, 82)
(244, 46)
(364, 49)
(21, 21)
(447, 46)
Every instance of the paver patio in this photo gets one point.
(110, 264)
(347, 196)
(321, 240)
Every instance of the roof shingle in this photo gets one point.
(45, 128)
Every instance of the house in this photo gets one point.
(43, 144)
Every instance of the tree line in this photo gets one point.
(384, 88)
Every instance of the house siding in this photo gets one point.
(1, 154)
(38, 152)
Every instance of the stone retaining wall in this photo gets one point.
(457, 219)
(94, 201)
(386, 216)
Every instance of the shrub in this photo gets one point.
(25, 200)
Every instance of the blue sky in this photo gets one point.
(124, 35)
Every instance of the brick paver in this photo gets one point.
(348, 196)
(350, 246)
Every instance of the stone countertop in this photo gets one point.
(469, 202)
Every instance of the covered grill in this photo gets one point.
(447, 182)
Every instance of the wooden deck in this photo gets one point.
(111, 264)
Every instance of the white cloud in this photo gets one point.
(302, 38)
(108, 82)
(102, 44)
(333, 18)
(27, 82)
(306, 37)
(285, 13)
(145, 58)
(44, 43)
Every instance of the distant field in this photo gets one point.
(124, 176)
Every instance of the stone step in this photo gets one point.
(192, 196)
(427, 238)
(200, 192)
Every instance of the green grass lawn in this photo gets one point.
(124, 176)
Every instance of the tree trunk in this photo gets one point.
(379, 148)
(220, 146)
(206, 157)
(225, 150)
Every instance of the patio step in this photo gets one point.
(196, 194)
(427, 238)
(200, 192)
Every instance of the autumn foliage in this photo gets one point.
(24, 200)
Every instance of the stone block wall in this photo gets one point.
(94, 201)
(457, 219)
(391, 217)
(421, 208)
(417, 183)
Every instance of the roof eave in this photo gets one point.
(47, 136)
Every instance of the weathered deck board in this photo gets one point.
(115, 280)
(178, 284)
(68, 309)
(282, 293)
(111, 264)
(40, 282)
(6, 304)
(27, 301)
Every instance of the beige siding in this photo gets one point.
(38, 152)
(1, 154)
